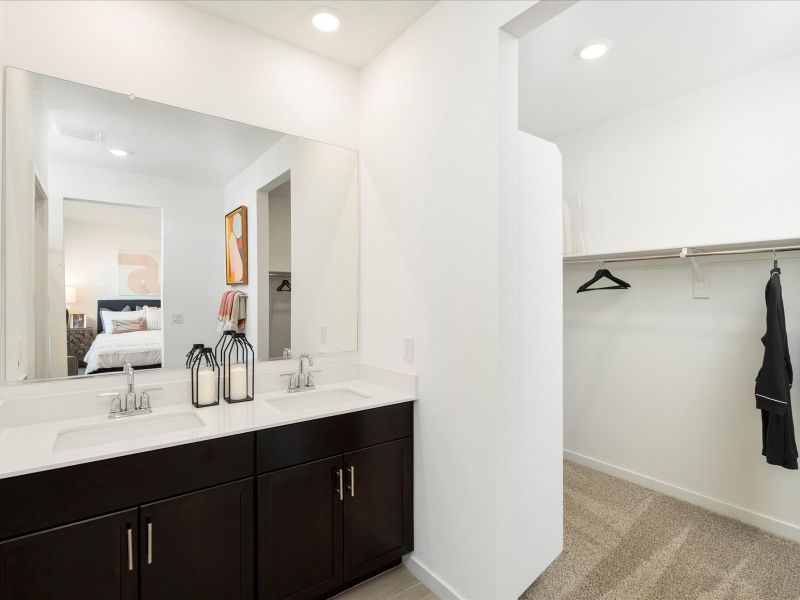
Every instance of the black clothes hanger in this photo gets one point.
(285, 286)
(775, 269)
(600, 274)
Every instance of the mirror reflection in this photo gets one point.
(134, 230)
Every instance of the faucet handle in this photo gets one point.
(309, 383)
(116, 401)
(144, 399)
(294, 380)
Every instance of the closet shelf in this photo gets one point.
(764, 246)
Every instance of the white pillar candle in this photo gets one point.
(238, 384)
(206, 387)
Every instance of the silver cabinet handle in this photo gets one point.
(352, 486)
(130, 548)
(340, 490)
(149, 542)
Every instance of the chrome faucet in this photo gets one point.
(303, 379)
(129, 405)
(130, 397)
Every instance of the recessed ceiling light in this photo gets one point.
(594, 50)
(118, 152)
(325, 20)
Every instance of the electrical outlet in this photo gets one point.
(323, 334)
(408, 349)
(177, 318)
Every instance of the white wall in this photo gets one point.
(324, 251)
(716, 165)
(434, 212)
(171, 53)
(90, 260)
(659, 386)
(193, 264)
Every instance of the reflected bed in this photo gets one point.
(109, 351)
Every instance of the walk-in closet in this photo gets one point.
(677, 125)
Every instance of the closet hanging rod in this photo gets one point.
(686, 253)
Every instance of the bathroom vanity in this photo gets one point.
(300, 510)
(296, 493)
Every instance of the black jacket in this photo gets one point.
(774, 383)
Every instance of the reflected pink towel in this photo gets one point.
(232, 311)
(224, 312)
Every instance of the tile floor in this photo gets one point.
(397, 584)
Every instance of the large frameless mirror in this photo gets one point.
(133, 229)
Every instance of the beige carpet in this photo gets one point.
(623, 541)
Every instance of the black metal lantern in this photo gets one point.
(225, 340)
(191, 354)
(205, 379)
(238, 369)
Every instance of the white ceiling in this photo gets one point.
(84, 211)
(164, 141)
(661, 49)
(367, 26)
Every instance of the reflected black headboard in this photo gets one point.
(121, 304)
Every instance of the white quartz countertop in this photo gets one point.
(41, 446)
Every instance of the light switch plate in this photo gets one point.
(177, 318)
(701, 290)
(323, 334)
(408, 349)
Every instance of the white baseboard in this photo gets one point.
(430, 579)
(759, 520)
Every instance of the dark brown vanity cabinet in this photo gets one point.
(176, 523)
(377, 506)
(198, 545)
(293, 512)
(95, 558)
(300, 531)
(327, 523)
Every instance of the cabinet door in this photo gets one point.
(86, 560)
(378, 511)
(199, 545)
(300, 530)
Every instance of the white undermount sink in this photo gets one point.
(129, 428)
(315, 399)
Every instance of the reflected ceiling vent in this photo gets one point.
(79, 133)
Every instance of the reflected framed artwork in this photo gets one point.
(236, 246)
(138, 273)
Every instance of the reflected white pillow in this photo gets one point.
(152, 315)
(122, 315)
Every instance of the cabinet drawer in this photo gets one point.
(41, 500)
(289, 445)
